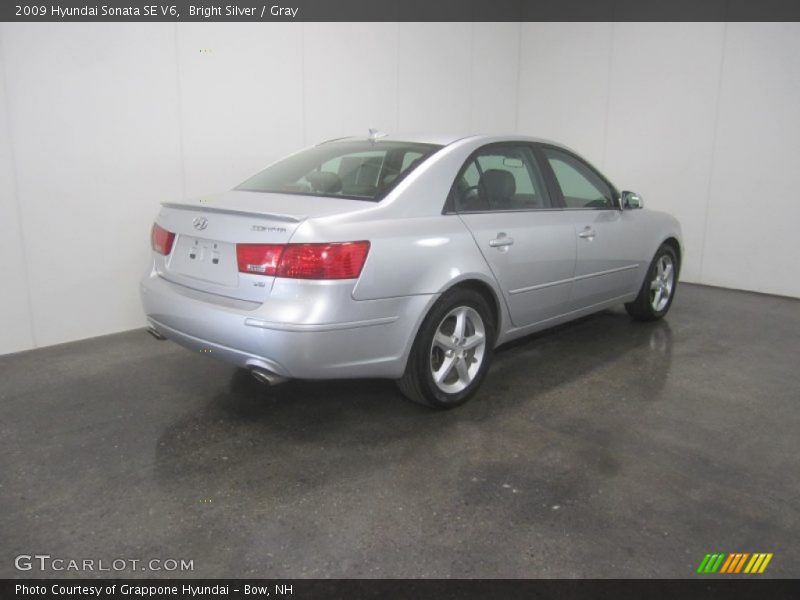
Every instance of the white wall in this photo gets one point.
(700, 118)
(251, 93)
(564, 84)
(754, 197)
(661, 119)
(92, 113)
(241, 100)
(16, 325)
(101, 122)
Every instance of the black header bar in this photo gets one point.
(399, 10)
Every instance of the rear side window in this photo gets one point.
(500, 177)
(361, 170)
(410, 158)
(580, 186)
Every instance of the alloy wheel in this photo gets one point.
(458, 349)
(662, 284)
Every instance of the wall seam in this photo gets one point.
(471, 119)
(15, 195)
(715, 131)
(518, 106)
(397, 81)
(179, 91)
(303, 110)
(609, 89)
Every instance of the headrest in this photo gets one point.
(499, 185)
(325, 182)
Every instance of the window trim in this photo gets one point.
(449, 204)
(553, 180)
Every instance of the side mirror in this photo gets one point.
(630, 201)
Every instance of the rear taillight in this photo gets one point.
(336, 260)
(323, 261)
(261, 259)
(161, 239)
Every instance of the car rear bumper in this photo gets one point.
(308, 330)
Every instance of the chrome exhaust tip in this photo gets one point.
(266, 377)
(152, 331)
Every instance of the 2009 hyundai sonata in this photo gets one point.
(407, 258)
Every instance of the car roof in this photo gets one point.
(445, 139)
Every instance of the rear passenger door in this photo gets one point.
(527, 241)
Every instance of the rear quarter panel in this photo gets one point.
(415, 249)
(407, 256)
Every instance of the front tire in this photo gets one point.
(451, 352)
(659, 286)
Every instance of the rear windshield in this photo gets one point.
(361, 170)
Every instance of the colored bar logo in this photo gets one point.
(734, 563)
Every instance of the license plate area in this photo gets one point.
(208, 260)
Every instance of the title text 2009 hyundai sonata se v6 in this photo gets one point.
(409, 258)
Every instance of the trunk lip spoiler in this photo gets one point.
(233, 211)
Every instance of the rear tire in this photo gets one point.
(451, 352)
(658, 288)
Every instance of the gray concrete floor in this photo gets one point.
(605, 448)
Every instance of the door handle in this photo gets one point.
(501, 240)
(587, 234)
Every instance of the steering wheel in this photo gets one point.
(468, 195)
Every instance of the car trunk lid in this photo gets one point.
(207, 230)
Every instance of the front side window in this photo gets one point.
(361, 170)
(580, 186)
(500, 177)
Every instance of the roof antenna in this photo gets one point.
(374, 134)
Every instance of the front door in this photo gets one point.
(606, 267)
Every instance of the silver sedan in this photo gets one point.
(410, 258)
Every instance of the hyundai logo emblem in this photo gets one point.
(200, 223)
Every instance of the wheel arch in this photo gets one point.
(413, 384)
(488, 292)
(673, 243)
(474, 281)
